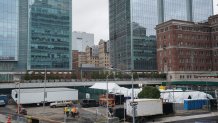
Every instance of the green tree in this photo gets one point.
(27, 76)
(73, 76)
(135, 75)
(149, 92)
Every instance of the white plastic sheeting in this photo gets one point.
(178, 96)
(113, 87)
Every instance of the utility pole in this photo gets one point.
(133, 106)
(44, 92)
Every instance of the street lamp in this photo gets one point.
(44, 92)
(18, 107)
(132, 79)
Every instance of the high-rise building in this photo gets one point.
(35, 34)
(132, 23)
(50, 28)
(188, 10)
(45, 34)
(82, 39)
(9, 10)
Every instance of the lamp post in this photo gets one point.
(18, 104)
(44, 92)
(133, 106)
(107, 98)
(132, 79)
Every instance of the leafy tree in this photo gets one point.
(135, 75)
(73, 76)
(27, 76)
(149, 92)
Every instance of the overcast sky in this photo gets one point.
(91, 16)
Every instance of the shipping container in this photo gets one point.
(36, 95)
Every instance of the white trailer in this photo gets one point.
(36, 95)
(144, 107)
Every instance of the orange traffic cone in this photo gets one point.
(9, 119)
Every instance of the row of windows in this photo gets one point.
(195, 68)
(185, 28)
(193, 37)
(189, 52)
(196, 60)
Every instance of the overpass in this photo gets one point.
(74, 83)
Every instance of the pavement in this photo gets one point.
(55, 114)
(97, 114)
(175, 119)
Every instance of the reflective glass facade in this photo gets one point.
(133, 20)
(9, 30)
(144, 19)
(49, 38)
(202, 9)
(189, 10)
(175, 9)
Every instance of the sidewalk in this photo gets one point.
(180, 118)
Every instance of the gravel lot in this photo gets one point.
(87, 115)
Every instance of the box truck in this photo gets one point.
(144, 107)
(36, 95)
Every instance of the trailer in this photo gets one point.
(144, 108)
(36, 95)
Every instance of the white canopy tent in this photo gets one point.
(113, 87)
(178, 96)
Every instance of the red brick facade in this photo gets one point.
(213, 21)
(75, 62)
(184, 46)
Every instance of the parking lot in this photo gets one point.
(87, 115)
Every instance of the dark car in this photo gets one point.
(89, 103)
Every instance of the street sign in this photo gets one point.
(133, 103)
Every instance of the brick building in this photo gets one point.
(103, 54)
(75, 56)
(92, 55)
(186, 50)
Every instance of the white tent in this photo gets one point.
(113, 87)
(179, 96)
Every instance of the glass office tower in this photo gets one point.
(9, 30)
(189, 10)
(50, 34)
(9, 11)
(133, 20)
(202, 9)
(175, 9)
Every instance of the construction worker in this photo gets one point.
(65, 110)
(73, 111)
(68, 111)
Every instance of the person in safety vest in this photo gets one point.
(73, 111)
(65, 110)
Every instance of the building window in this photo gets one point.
(179, 35)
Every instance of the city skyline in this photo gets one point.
(93, 18)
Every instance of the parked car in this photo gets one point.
(89, 103)
(2, 103)
(61, 104)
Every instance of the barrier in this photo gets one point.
(190, 104)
